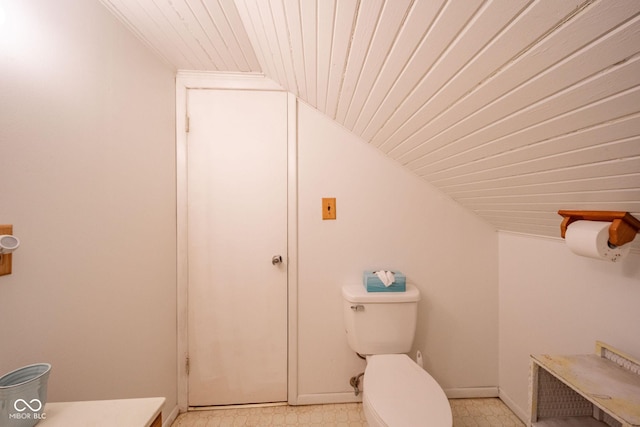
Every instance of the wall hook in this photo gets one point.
(8, 244)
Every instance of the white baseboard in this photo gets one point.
(471, 392)
(324, 398)
(172, 417)
(350, 397)
(524, 417)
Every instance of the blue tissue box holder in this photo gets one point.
(373, 284)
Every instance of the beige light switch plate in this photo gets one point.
(328, 208)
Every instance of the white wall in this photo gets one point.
(555, 302)
(87, 167)
(388, 218)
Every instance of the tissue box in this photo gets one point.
(373, 284)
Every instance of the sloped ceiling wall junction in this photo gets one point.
(514, 108)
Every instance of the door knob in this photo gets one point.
(277, 259)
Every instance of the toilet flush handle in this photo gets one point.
(358, 307)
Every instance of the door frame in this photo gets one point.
(186, 80)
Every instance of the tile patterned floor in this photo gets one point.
(466, 412)
(483, 413)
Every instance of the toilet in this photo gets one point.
(381, 326)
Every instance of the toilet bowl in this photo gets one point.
(399, 393)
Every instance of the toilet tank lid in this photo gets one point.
(356, 292)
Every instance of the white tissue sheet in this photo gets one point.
(386, 277)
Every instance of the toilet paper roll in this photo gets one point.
(591, 239)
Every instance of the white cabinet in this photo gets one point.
(601, 389)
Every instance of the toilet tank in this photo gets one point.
(380, 322)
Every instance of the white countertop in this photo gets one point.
(102, 413)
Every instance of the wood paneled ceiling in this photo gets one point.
(513, 108)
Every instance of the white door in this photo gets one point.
(237, 222)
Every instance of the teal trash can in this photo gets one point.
(23, 394)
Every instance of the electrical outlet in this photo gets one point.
(328, 208)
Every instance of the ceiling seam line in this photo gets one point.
(466, 65)
(538, 103)
(550, 140)
(362, 67)
(386, 57)
(543, 172)
(216, 51)
(234, 35)
(406, 65)
(474, 17)
(506, 66)
(514, 114)
(347, 56)
(386, 61)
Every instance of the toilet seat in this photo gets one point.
(399, 393)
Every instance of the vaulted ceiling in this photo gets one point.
(514, 108)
